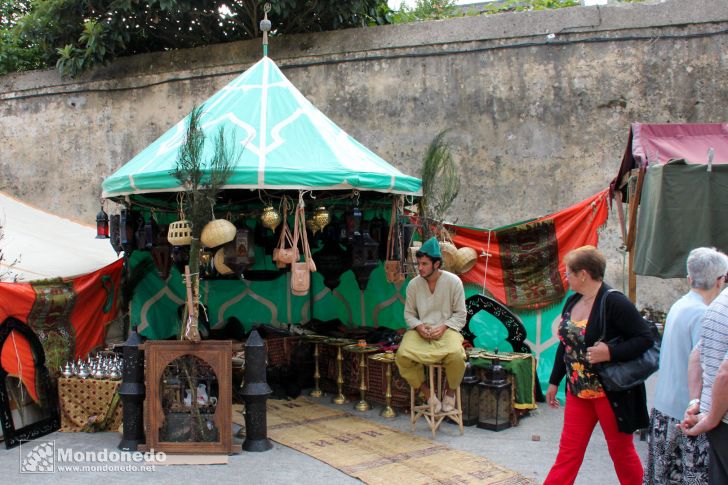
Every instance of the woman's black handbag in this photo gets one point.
(620, 376)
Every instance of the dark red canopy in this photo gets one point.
(660, 143)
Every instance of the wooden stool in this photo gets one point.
(427, 410)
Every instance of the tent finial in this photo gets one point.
(265, 27)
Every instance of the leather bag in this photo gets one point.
(623, 375)
(287, 251)
(392, 266)
(301, 270)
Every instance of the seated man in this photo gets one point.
(435, 314)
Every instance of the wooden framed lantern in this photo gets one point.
(189, 396)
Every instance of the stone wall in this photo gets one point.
(538, 104)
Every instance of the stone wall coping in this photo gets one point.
(233, 58)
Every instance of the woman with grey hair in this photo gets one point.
(674, 457)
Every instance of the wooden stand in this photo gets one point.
(179, 377)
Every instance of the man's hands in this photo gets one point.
(694, 422)
(429, 333)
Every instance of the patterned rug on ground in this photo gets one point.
(374, 453)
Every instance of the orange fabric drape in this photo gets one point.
(95, 306)
(575, 226)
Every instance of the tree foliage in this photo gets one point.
(425, 10)
(441, 9)
(75, 35)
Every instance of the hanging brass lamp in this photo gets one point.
(321, 218)
(270, 218)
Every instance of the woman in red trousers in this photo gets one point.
(619, 413)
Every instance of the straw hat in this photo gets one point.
(449, 254)
(465, 260)
(217, 232)
(219, 261)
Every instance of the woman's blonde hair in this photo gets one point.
(587, 258)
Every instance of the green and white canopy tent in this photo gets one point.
(286, 144)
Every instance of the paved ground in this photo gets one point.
(513, 448)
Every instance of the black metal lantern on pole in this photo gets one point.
(132, 392)
(470, 396)
(102, 224)
(495, 399)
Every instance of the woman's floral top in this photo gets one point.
(582, 379)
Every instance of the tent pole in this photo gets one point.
(634, 202)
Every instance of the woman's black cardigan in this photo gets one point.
(622, 319)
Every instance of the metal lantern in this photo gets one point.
(353, 223)
(332, 260)
(321, 218)
(494, 412)
(150, 233)
(470, 396)
(127, 228)
(365, 258)
(132, 392)
(115, 233)
(102, 225)
(270, 218)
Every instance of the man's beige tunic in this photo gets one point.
(446, 306)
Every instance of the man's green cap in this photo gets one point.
(431, 248)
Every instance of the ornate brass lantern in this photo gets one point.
(321, 218)
(270, 218)
(495, 400)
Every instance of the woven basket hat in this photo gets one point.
(180, 233)
(219, 261)
(465, 260)
(217, 232)
(449, 255)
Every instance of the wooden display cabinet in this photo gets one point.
(188, 406)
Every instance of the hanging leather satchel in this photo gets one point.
(620, 376)
(301, 271)
(287, 250)
(393, 266)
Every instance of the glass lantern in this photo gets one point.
(102, 225)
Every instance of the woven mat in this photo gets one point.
(374, 453)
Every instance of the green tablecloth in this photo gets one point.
(523, 369)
